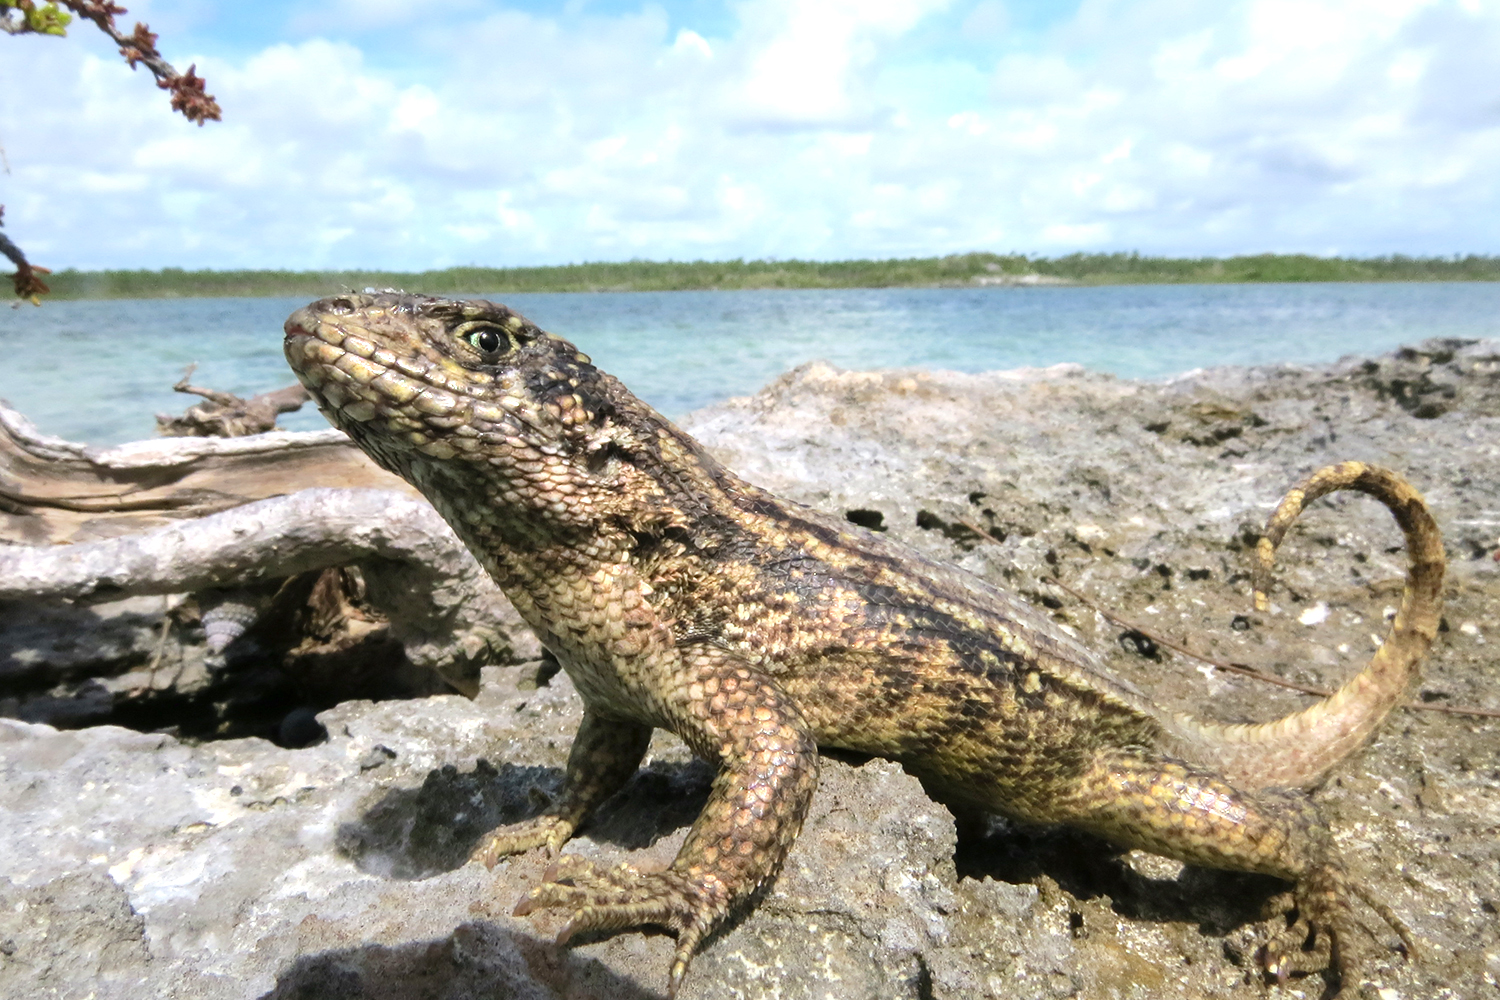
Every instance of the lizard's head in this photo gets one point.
(487, 414)
(419, 381)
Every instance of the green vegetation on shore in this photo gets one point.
(956, 270)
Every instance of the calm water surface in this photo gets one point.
(96, 371)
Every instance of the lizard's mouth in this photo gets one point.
(365, 388)
(337, 380)
(357, 378)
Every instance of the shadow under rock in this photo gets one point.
(478, 961)
(416, 833)
(1088, 867)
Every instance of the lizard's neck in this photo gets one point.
(611, 495)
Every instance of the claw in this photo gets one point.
(566, 934)
(1273, 962)
(549, 832)
(688, 939)
(1395, 923)
(680, 963)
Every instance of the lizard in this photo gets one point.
(678, 596)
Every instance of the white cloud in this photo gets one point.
(690, 42)
(808, 63)
(832, 129)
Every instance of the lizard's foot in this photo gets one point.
(1295, 947)
(1323, 904)
(551, 832)
(615, 899)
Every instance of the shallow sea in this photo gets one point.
(96, 371)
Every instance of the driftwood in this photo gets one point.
(288, 558)
(223, 414)
(442, 607)
(54, 491)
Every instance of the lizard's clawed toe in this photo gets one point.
(1326, 932)
(607, 899)
(550, 832)
(604, 900)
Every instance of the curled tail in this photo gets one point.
(1298, 750)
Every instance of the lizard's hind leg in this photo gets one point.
(1167, 807)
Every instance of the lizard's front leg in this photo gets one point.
(606, 752)
(768, 767)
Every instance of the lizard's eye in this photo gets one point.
(487, 340)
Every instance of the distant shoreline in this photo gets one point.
(957, 271)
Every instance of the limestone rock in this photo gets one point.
(136, 864)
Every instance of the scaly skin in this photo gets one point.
(678, 596)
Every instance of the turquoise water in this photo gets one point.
(97, 371)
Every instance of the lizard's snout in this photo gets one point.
(300, 323)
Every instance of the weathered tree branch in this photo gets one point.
(223, 414)
(315, 576)
(48, 17)
(442, 606)
(51, 17)
(54, 491)
(27, 283)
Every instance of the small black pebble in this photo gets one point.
(378, 755)
(300, 728)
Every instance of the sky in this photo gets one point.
(407, 134)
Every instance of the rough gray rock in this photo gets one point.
(136, 864)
